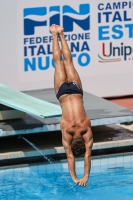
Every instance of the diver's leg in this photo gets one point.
(60, 74)
(72, 74)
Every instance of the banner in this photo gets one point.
(99, 35)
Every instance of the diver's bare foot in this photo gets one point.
(60, 29)
(53, 30)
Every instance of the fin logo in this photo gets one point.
(42, 16)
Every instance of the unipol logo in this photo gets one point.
(43, 16)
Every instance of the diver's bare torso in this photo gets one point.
(74, 119)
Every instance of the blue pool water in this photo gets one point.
(53, 182)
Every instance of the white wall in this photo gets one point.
(8, 43)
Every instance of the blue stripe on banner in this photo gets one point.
(54, 8)
(83, 9)
(35, 11)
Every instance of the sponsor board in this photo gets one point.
(115, 31)
(99, 36)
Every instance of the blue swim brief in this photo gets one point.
(69, 88)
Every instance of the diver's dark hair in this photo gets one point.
(78, 147)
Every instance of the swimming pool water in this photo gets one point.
(43, 182)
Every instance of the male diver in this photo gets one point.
(77, 137)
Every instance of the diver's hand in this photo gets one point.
(76, 180)
(83, 181)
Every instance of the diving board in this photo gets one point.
(26, 103)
